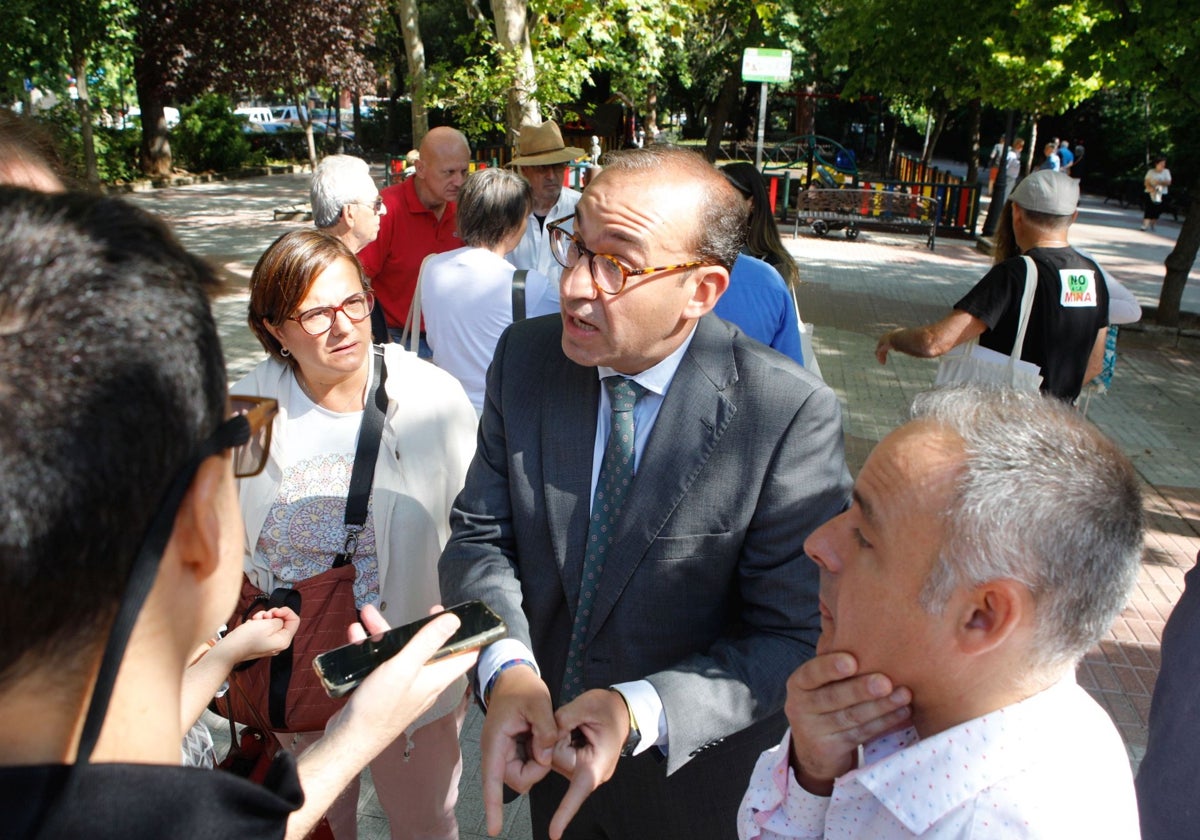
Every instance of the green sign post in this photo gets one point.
(768, 67)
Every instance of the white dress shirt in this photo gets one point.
(533, 251)
(1050, 766)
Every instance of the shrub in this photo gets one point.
(209, 136)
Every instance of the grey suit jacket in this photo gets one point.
(707, 592)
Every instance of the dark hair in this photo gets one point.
(111, 374)
(720, 217)
(284, 274)
(492, 205)
(762, 234)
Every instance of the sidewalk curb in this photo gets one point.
(147, 184)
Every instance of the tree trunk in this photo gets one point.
(1179, 263)
(806, 111)
(414, 49)
(305, 117)
(976, 110)
(651, 120)
(150, 77)
(720, 113)
(935, 134)
(83, 105)
(512, 33)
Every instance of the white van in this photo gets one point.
(255, 114)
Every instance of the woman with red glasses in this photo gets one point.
(310, 309)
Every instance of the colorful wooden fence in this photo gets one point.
(957, 201)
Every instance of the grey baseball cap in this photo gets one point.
(1047, 191)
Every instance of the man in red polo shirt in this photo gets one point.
(420, 221)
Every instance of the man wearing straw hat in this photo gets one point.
(542, 159)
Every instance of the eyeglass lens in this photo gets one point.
(606, 272)
(320, 320)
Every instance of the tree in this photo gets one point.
(1151, 46)
(24, 51)
(74, 37)
(159, 58)
(512, 35)
(1030, 55)
(407, 20)
(294, 46)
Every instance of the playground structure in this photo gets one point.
(812, 163)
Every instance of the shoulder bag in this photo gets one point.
(283, 689)
(969, 363)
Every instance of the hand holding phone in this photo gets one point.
(343, 668)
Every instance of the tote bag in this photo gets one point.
(971, 364)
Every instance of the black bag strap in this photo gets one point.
(281, 663)
(518, 294)
(362, 477)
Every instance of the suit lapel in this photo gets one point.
(693, 417)
(569, 432)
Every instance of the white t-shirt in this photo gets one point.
(466, 300)
(305, 526)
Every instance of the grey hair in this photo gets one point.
(721, 217)
(337, 181)
(492, 204)
(1044, 499)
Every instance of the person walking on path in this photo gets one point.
(1156, 181)
(1069, 319)
(542, 161)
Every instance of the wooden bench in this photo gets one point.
(852, 209)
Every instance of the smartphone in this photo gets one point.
(343, 668)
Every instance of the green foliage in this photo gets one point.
(209, 136)
(116, 150)
(1030, 55)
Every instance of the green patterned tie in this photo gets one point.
(616, 474)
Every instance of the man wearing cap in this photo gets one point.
(542, 161)
(1069, 318)
(419, 221)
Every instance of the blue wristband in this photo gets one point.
(487, 692)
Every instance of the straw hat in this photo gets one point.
(543, 144)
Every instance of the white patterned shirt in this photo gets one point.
(1051, 766)
(305, 527)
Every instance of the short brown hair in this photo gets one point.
(284, 274)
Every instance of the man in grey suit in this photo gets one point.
(697, 599)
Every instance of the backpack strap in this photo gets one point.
(518, 294)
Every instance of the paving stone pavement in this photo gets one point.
(852, 292)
